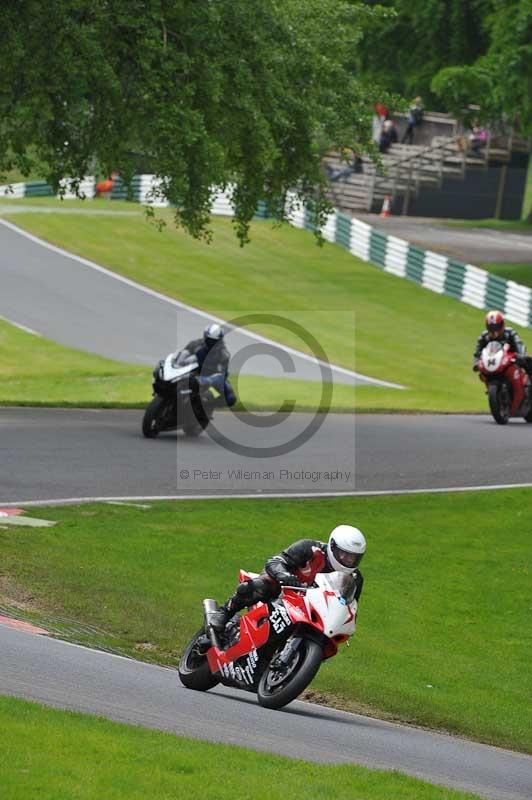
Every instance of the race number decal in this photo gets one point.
(280, 619)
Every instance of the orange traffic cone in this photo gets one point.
(386, 206)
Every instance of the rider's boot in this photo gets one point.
(220, 618)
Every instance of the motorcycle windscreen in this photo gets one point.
(343, 583)
(493, 347)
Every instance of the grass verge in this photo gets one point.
(51, 754)
(510, 225)
(67, 377)
(69, 206)
(444, 637)
(36, 371)
(520, 273)
(404, 333)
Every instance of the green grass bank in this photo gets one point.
(53, 754)
(520, 273)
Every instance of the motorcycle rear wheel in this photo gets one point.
(499, 401)
(151, 419)
(274, 692)
(194, 668)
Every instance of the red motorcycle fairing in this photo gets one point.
(518, 379)
(266, 623)
(254, 633)
(519, 382)
(297, 606)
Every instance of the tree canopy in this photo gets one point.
(455, 53)
(420, 38)
(202, 93)
(509, 60)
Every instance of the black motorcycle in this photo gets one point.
(179, 402)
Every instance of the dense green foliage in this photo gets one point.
(421, 38)
(202, 93)
(500, 81)
(456, 86)
(509, 60)
(455, 53)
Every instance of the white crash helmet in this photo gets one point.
(213, 333)
(345, 548)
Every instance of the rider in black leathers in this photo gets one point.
(496, 331)
(213, 359)
(298, 565)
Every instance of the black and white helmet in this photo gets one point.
(213, 333)
(346, 548)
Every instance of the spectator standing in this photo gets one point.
(388, 136)
(414, 120)
(380, 116)
(478, 138)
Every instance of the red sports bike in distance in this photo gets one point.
(276, 648)
(508, 385)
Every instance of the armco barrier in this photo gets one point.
(433, 271)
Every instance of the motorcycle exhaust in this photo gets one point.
(209, 608)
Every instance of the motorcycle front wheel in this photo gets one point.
(499, 400)
(194, 668)
(280, 684)
(151, 421)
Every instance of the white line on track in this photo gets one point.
(64, 501)
(191, 309)
(21, 326)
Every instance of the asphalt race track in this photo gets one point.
(472, 245)
(50, 454)
(67, 676)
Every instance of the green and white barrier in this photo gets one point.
(435, 272)
(17, 191)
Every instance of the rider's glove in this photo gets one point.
(289, 580)
(476, 367)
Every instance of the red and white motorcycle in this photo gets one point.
(508, 385)
(276, 648)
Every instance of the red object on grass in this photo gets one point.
(104, 186)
